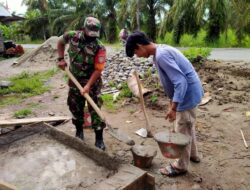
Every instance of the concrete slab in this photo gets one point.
(41, 157)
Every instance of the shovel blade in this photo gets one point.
(142, 132)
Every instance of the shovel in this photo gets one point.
(121, 136)
(143, 132)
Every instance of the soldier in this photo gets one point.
(87, 59)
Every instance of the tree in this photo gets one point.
(42, 5)
(110, 13)
(240, 17)
(217, 19)
(74, 14)
(188, 16)
(182, 17)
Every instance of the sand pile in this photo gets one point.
(43, 56)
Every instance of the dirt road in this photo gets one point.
(225, 161)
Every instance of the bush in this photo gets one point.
(195, 55)
(226, 40)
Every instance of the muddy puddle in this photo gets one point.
(39, 162)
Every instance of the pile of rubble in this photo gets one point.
(119, 67)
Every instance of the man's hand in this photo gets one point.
(62, 64)
(85, 89)
(171, 115)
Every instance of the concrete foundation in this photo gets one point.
(40, 157)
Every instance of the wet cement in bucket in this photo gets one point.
(171, 137)
(40, 162)
(171, 144)
(144, 151)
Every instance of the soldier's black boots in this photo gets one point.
(79, 132)
(99, 139)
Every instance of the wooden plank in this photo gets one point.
(7, 186)
(14, 122)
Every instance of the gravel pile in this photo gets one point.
(119, 67)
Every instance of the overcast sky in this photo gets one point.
(15, 6)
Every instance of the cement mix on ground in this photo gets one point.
(39, 161)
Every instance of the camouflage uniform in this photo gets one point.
(82, 64)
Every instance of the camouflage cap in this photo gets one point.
(92, 27)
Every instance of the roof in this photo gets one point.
(4, 12)
(6, 17)
(10, 19)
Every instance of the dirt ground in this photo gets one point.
(225, 160)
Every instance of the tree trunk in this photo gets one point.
(138, 14)
(112, 27)
(151, 21)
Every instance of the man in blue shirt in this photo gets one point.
(181, 84)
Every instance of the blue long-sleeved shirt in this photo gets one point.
(179, 79)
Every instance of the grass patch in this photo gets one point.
(108, 102)
(28, 84)
(154, 99)
(195, 54)
(226, 40)
(125, 91)
(112, 105)
(33, 105)
(5, 101)
(25, 85)
(22, 113)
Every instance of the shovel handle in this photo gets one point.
(148, 126)
(86, 95)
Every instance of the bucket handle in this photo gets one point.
(171, 131)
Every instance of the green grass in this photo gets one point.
(125, 91)
(5, 101)
(108, 102)
(22, 113)
(154, 99)
(108, 98)
(193, 53)
(226, 40)
(25, 85)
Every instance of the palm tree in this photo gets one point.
(138, 14)
(188, 16)
(110, 14)
(36, 23)
(153, 9)
(182, 17)
(240, 18)
(217, 18)
(71, 15)
(123, 16)
(42, 5)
